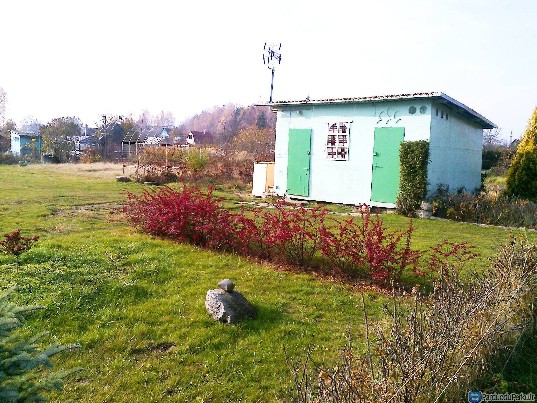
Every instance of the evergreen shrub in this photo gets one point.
(413, 160)
(22, 361)
(521, 177)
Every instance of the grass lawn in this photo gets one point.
(136, 304)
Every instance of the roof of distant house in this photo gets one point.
(201, 133)
(140, 135)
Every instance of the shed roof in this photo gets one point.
(439, 97)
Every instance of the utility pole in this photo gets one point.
(271, 55)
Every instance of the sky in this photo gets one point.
(89, 58)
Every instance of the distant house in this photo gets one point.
(84, 143)
(110, 139)
(26, 143)
(198, 138)
(347, 150)
(138, 138)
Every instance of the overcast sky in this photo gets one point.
(88, 58)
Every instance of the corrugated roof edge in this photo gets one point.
(459, 106)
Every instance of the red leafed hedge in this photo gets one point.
(294, 235)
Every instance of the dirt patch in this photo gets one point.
(161, 347)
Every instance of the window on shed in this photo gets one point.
(337, 141)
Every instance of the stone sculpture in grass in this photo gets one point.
(227, 305)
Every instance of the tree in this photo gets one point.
(261, 121)
(165, 119)
(2, 104)
(255, 142)
(58, 138)
(521, 177)
(492, 137)
(5, 135)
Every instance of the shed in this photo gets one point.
(195, 138)
(346, 150)
(25, 144)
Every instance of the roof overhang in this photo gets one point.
(438, 97)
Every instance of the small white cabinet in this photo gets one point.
(263, 181)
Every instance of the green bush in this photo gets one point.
(196, 160)
(521, 177)
(498, 157)
(8, 159)
(484, 208)
(413, 160)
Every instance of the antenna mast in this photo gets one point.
(271, 56)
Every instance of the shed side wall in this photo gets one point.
(455, 151)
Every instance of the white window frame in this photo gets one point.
(337, 141)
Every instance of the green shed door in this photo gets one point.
(385, 182)
(298, 162)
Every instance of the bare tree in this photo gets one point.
(3, 100)
(491, 137)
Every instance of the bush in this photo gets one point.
(288, 234)
(155, 174)
(90, 156)
(484, 208)
(497, 158)
(521, 177)
(414, 158)
(15, 244)
(193, 217)
(434, 346)
(292, 234)
(192, 165)
(8, 159)
(365, 249)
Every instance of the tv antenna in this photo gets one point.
(271, 57)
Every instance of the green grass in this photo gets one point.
(136, 304)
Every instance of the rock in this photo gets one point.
(228, 306)
(423, 214)
(226, 285)
(123, 179)
(426, 206)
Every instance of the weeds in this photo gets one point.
(484, 208)
(434, 346)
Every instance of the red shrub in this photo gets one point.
(191, 216)
(292, 234)
(177, 215)
(364, 248)
(15, 244)
(440, 257)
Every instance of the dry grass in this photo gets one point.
(100, 170)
